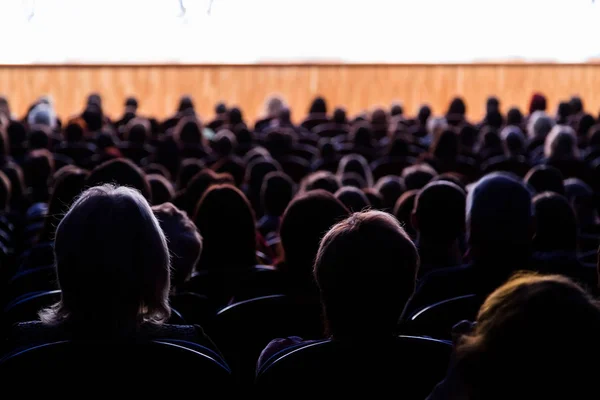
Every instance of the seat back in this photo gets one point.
(116, 367)
(407, 366)
(242, 330)
(438, 319)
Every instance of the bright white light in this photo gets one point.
(248, 31)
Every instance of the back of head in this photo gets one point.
(362, 135)
(93, 117)
(327, 149)
(561, 143)
(355, 180)
(545, 324)
(189, 168)
(583, 123)
(365, 269)
(539, 125)
(467, 136)
(403, 210)
(42, 114)
(161, 189)
(396, 110)
(424, 114)
(339, 116)
(398, 147)
(357, 164)
(318, 106)
(112, 264)
(185, 243)
(198, 186)
(457, 107)
(189, 131)
(235, 116)
(274, 105)
(220, 108)
(38, 169)
(499, 219)
(417, 176)
(544, 178)
(514, 140)
(563, 112)
(226, 222)
(323, 180)
(390, 187)
(120, 172)
(445, 146)
(576, 105)
(224, 142)
(257, 170)
(131, 103)
(353, 198)
(308, 217)
(276, 193)
(439, 213)
(556, 225)
(514, 117)
(74, 132)
(538, 103)
(185, 104)
(39, 137)
(582, 199)
(137, 131)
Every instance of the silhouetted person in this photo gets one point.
(514, 117)
(120, 172)
(544, 178)
(403, 211)
(161, 188)
(276, 194)
(537, 103)
(390, 188)
(324, 180)
(357, 164)
(417, 176)
(198, 185)
(581, 198)
(561, 152)
(353, 198)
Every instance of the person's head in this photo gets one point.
(226, 221)
(439, 213)
(5, 192)
(556, 225)
(161, 188)
(137, 131)
(563, 112)
(546, 324)
(457, 107)
(581, 197)
(198, 186)
(492, 104)
(235, 116)
(188, 132)
(323, 180)
(390, 188)
(576, 104)
(467, 136)
(445, 146)
(379, 120)
(375, 198)
(513, 140)
(499, 217)
(417, 176)
(273, 106)
(16, 133)
(539, 125)
(186, 104)
(276, 192)
(362, 135)
(69, 182)
(327, 149)
(357, 164)
(220, 109)
(584, 123)
(398, 147)
(224, 143)
(355, 180)
(94, 99)
(514, 117)
(74, 132)
(396, 110)
(120, 172)
(339, 116)
(189, 168)
(318, 106)
(423, 114)
(403, 211)
(93, 117)
(353, 198)
(452, 177)
(561, 142)
(39, 137)
(544, 178)
(131, 104)
(112, 264)
(365, 269)
(308, 217)
(537, 103)
(42, 114)
(594, 136)
(256, 172)
(255, 153)
(184, 241)
(38, 168)
(491, 140)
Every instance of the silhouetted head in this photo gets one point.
(318, 106)
(491, 140)
(273, 106)
(417, 176)
(563, 112)
(546, 324)
(362, 135)
(189, 132)
(5, 192)
(276, 193)
(186, 104)
(327, 149)
(308, 217)
(424, 114)
(42, 114)
(467, 136)
(439, 213)
(69, 182)
(184, 241)
(539, 125)
(355, 180)
(390, 188)
(93, 117)
(224, 143)
(339, 116)
(514, 117)
(576, 105)
(543, 178)
(235, 116)
(137, 131)
(457, 107)
(561, 143)
(584, 123)
(357, 164)
(17, 137)
(353, 198)
(131, 104)
(38, 169)
(199, 184)
(112, 264)
(367, 253)
(581, 198)
(256, 172)
(492, 105)
(513, 140)
(323, 180)
(220, 109)
(398, 147)
(396, 110)
(445, 146)
(403, 211)
(189, 168)
(120, 172)
(226, 222)
(451, 177)
(74, 132)
(162, 190)
(537, 103)
(39, 137)
(556, 225)
(499, 218)
(255, 153)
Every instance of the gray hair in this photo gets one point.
(561, 142)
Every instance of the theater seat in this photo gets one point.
(403, 367)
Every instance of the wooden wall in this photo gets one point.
(358, 87)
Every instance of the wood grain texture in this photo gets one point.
(357, 87)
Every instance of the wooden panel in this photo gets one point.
(358, 87)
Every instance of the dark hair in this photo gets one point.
(323, 180)
(131, 102)
(440, 212)
(403, 210)
(390, 188)
(277, 192)
(226, 221)
(424, 114)
(368, 253)
(457, 107)
(396, 110)
(69, 182)
(357, 164)
(543, 178)
(189, 168)
(120, 172)
(73, 132)
(308, 217)
(188, 131)
(198, 186)
(353, 198)
(556, 224)
(339, 116)
(445, 146)
(235, 116)
(318, 106)
(220, 108)
(563, 113)
(224, 142)
(546, 324)
(362, 134)
(576, 104)
(514, 117)
(185, 103)
(417, 176)
(398, 147)
(374, 197)
(39, 137)
(137, 131)
(38, 169)
(162, 190)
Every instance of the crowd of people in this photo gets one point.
(338, 229)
